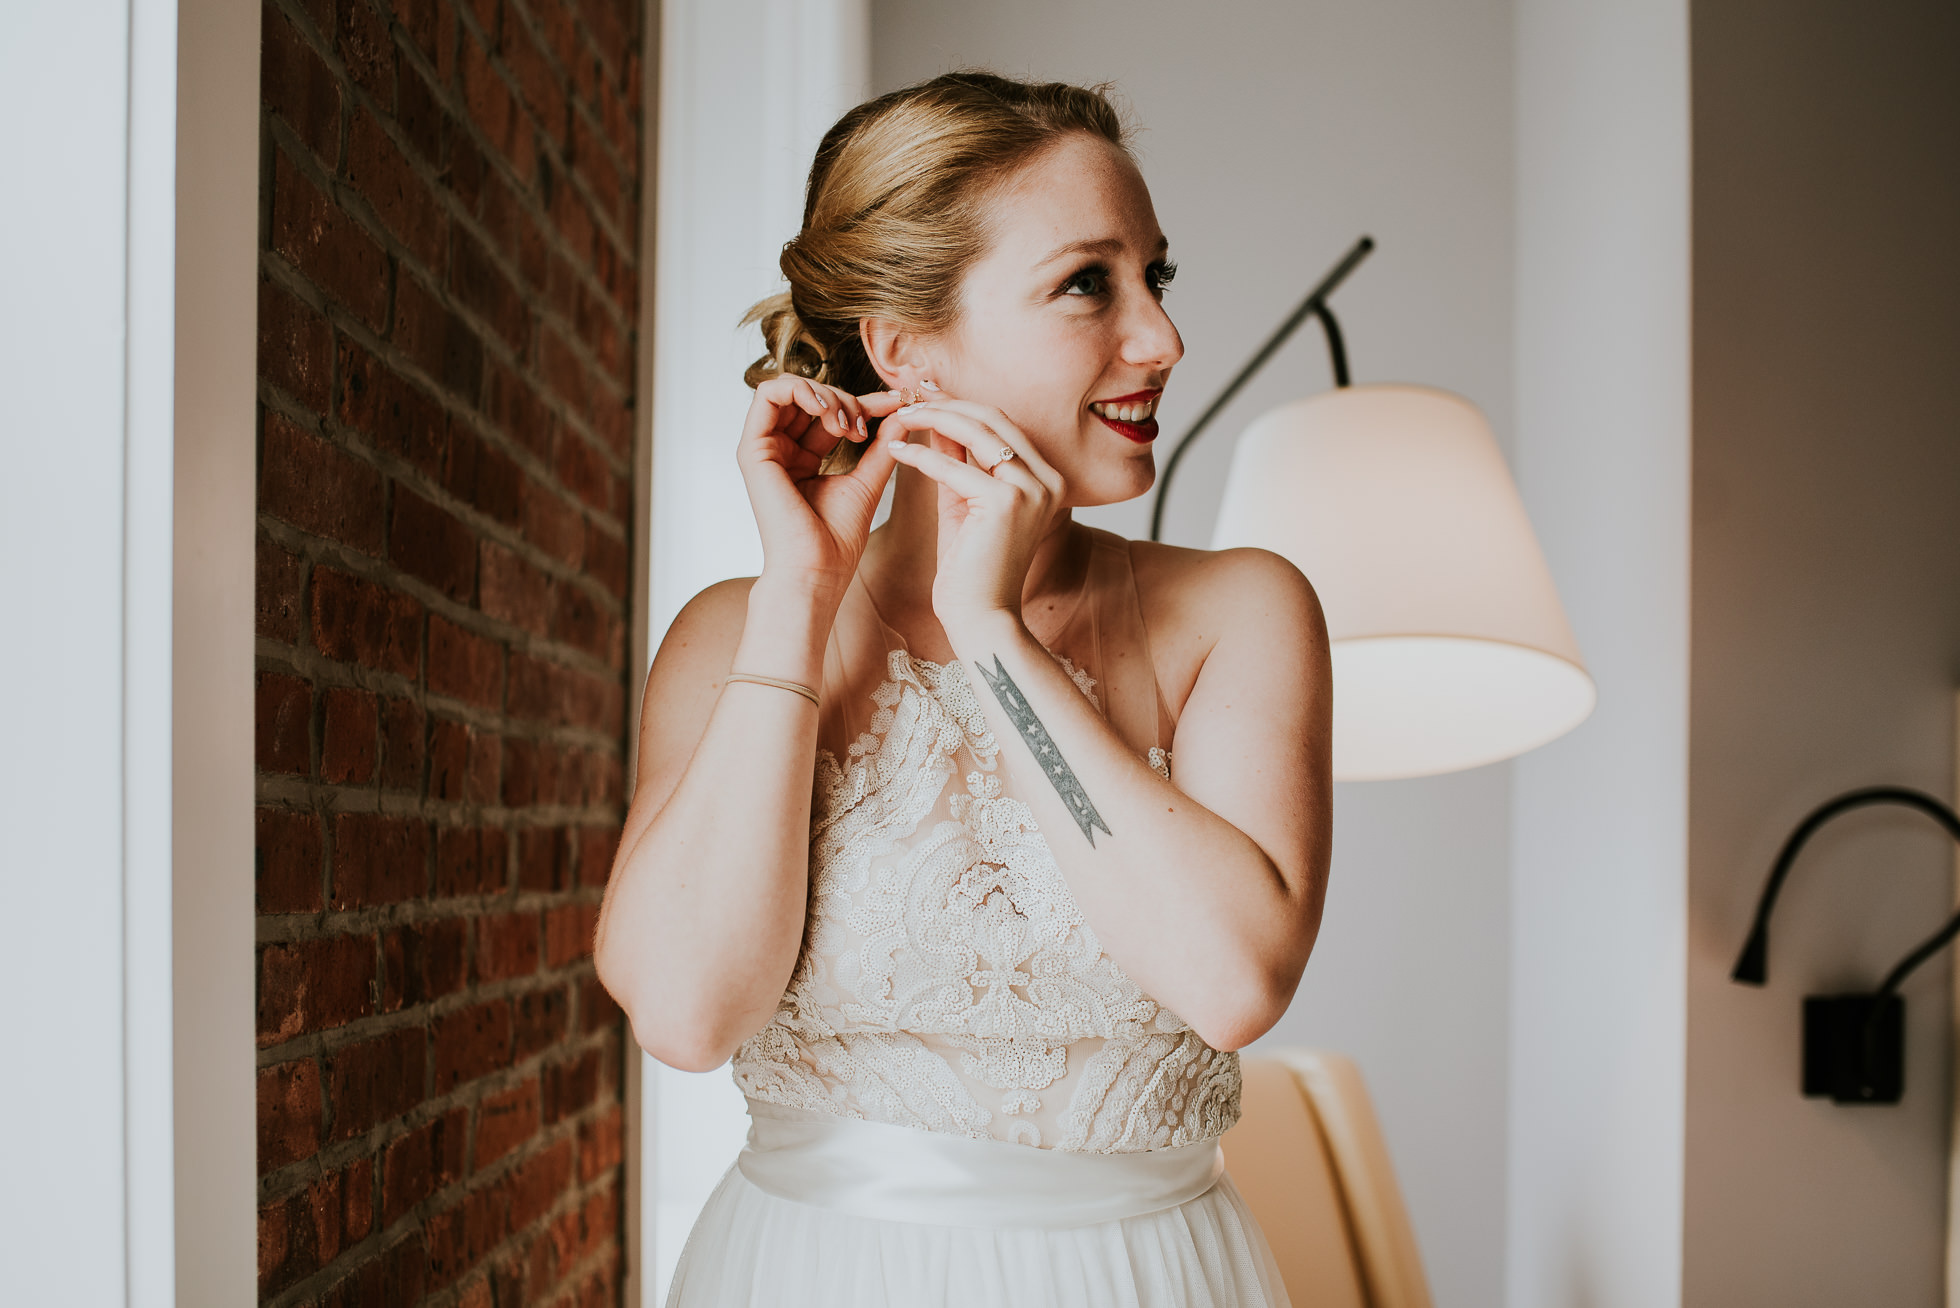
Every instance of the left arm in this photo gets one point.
(1207, 893)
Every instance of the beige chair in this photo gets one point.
(1309, 1158)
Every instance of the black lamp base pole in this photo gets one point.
(1315, 305)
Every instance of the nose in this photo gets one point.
(1150, 339)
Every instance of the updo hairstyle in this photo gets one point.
(895, 213)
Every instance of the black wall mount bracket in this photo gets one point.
(1854, 1048)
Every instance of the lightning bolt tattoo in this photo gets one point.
(1042, 745)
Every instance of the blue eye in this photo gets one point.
(1090, 281)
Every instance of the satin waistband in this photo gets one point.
(899, 1174)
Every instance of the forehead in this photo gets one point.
(1081, 189)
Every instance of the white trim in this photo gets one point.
(214, 573)
(148, 363)
(637, 1085)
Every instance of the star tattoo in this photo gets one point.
(1045, 751)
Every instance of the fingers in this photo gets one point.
(879, 404)
(963, 428)
(875, 465)
(956, 475)
(967, 425)
(816, 415)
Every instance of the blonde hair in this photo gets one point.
(895, 212)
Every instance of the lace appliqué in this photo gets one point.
(945, 962)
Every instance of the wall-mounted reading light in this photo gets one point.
(1853, 1045)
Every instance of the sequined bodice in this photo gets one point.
(947, 979)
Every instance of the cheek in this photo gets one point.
(1039, 375)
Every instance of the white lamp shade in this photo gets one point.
(1450, 647)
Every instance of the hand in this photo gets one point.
(813, 528)
(989, 521)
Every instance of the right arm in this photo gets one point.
(703, 915)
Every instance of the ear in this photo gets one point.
(899, 355)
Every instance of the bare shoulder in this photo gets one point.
(1197, 601)
(700, 645)
(715, 616)
(1202, 596)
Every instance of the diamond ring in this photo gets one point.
(1006, 453)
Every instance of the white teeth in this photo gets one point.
(1131, 413)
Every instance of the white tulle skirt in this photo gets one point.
(822, 1211)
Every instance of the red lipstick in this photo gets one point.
(1141, 432)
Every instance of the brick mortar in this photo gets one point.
(274, 267)
(342, 192)
(327, 798)
(515, 405)
(624, 245)
(378, 1241)
(292, 281)
(577, 105)
(320, 549)
(350, 440)
(288, 928)
(295, 1177)
(305, 663)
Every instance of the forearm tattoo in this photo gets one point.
(1042, 745)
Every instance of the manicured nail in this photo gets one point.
(928, 384)
(894, 445)
(861, 430)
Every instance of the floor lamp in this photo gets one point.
(1450, 647)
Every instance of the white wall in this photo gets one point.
(1826, 627)
(86, 251)
(61, 530)
(1273, 135)
(1599, 818)
(127, 353)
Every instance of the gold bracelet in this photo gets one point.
(798, 687)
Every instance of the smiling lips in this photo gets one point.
(1133, 417)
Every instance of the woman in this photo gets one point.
(1068, 834)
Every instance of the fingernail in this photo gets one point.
(928, 384)
(861, 430)
(894, 445)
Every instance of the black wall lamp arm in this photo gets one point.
(1315, 305)
(1853, 1045)
(1752, 967)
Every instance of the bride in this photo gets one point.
(982, 840)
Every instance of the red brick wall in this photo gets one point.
(447, 299)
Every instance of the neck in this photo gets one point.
(902, 557)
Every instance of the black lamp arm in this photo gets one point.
(1314, 305)
(1752, 967)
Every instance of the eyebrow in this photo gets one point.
(1104, 245)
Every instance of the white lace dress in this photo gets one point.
(948, 984)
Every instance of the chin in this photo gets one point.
(1108, 484)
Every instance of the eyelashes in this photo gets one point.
(1094, 279)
